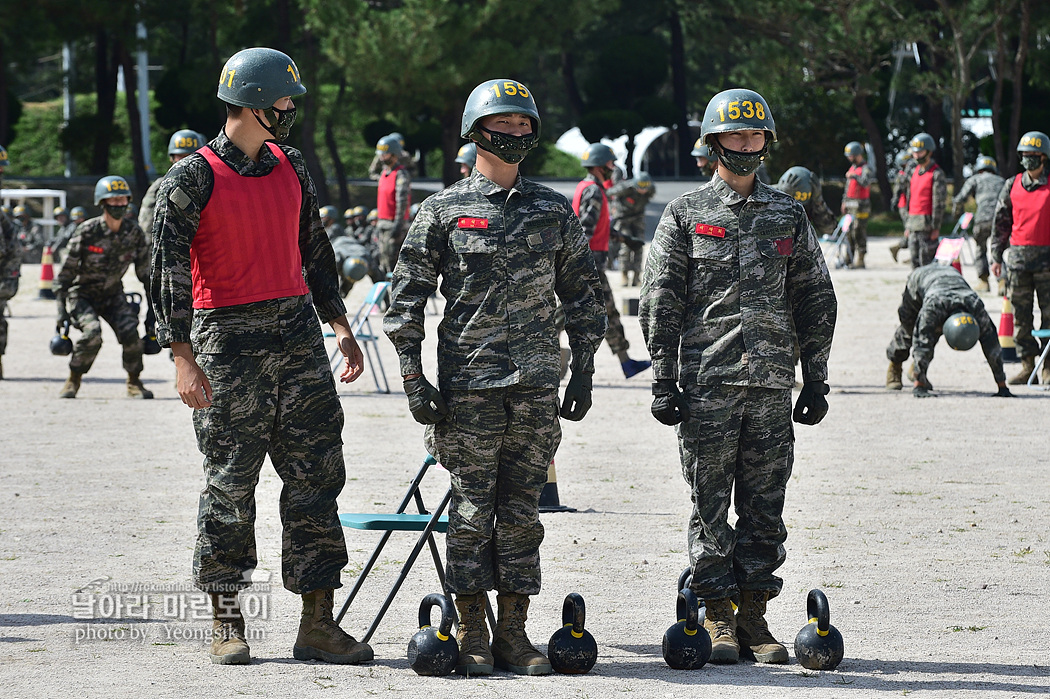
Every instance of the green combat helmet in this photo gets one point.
(799, 183)
(985, 163)
(853, 149)
(500, 97)
(922, 141)
(111, 186)
(597, 155)
(327, 212)
(256, 78)
(643, 181)
(184, 142)
(901, 159)
(1033, 142)
(3, 157)
(700, 150)
(78, 214)
(389, 144)
(961, 331)
(468, 155)
(738, 109)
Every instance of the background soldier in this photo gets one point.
(181, 144)
(925, 192)
(249, 356)
(1022, 226)
(903, 165)
(393, 201)
(10, 264)
(467, 157)
(592, 207)
(89, 286)
(803, 186)
(62, 233)
(732, 263)
(506, 250)
(329, 219)
(30, 236)
(857, 200)
(705, 160)
(629, 199)
(984, 186)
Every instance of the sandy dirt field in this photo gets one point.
(926, 522)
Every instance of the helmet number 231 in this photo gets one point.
(746, 108)
(510, 88)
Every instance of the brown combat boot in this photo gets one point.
(858, 259)
(511, 648)
(720, 623)
(228, 646)
(71, 386)
(1021, 377)
(893, 377)
(320, 638)
(982, 284)
(136, 389)
(1002, 286)
(1, 367)
(475, 658)
(752, 630)
(625, 278)
(895, 249)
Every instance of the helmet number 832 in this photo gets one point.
(748, 109)
(510, 88)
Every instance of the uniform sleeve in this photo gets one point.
(175, 222)
(414, 280)
(908, 311)
(812, 300)
(580, 293)
(928, 331)
(661, 311)
(375, 168)
(1003, 222)
(866, 178)
(317, 254)
(142, 257)
(959, 200)
(618, 189)
(146, 210)
(7, 241)
(402, 194)
(940, 197)
(71, 264)
(993, 352)
(823, 218)
(590, 209)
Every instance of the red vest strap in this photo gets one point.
(600, 239)
(1031, 213)
(854, 190)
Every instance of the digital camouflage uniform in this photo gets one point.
(923, 231)
(505, 260)
(722, 282)
(148, 206)
(89, 286)
(10, 269)
(31, 239)
(391, 233)
(984, 187)
(932, 294)
(859, 209)
(627, 210)
(820, 214)
(273, 391)
(1026, 268)
(590, 210)
(61, 239)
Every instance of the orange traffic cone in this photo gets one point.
(47, 275)
(549, 501)
(1006, 332)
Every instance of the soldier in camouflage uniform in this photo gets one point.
(249, 354)
(932, 298)
(706, 161)
(1021, 248)
(984, 186)
(77, 215)
(393, 201)
(10, 264)
(88, 287)
(732, 264)
(803, 186)
(856, 200)
(63, 232)
(332, 227)
(506, 251)
(181, 144)
(629, 199)
(925, 193)
(30, 236)
(467, 157)
(592, 206)
(898, 200)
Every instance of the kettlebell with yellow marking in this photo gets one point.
(818, 646)
(684, 581)
(434, 652)
(687, 646)
(572, 649)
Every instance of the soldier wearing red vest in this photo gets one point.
(857, 200)
(241, 270)
(1022, 237)
(592, 206)
(904, 164)
(393, 201)
(925, 192)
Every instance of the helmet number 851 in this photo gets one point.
(510, 88)
(746, 108)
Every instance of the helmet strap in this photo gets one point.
(281, 120)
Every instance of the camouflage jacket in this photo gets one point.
(97, 259)
(724, 280)
(984, 187)
(1022, 258)
(146, 210)
(932, 294)
(505, 259)
(820, 214)
(900, 181)
(866, 178)
(63, 236)
(184, 193)
(591, 205)
(627, 202)
(940, 198)
(10, 250)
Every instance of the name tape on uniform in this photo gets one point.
(468, 222)
(96, 249)
(713, 231)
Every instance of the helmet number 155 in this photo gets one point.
(510, 88)
(748, 109)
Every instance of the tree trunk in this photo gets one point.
(860, 105)
(141, 179)
(1018, 77)
(572, 89)
(333, 148)
(997, 93)
(309, 128)
(4, 125)
(686, 163)
(106, 93)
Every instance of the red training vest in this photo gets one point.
(600, 239)
(386, 203)
(854, 190)
(246, 248)
(920, 201)
(1031, 212)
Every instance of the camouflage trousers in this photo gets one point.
(8, 289)
(85, 313)
(739, 445)
(497, 445)
(981, 233)
(919, 341)
(614, 331)
(280, 403)
(632, 251)
(921, 248)
(390, 241)
(860, 210)
(1024, 289)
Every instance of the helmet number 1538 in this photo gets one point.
(748, 109)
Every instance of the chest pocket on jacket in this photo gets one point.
(714, 267)
(468, 242)
(543, 240)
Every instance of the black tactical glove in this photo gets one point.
(62, 317)
(669, 405)
(577, 399)
(1003, 392)
(425, 401)
(811, 406)
(151, 320)
(924, 392)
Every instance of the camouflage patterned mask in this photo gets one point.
(116, 212)
(508, 148)
(282, 120)
(1031, 162)
(740, 163)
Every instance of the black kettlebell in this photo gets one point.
(434, 652)
(134, 300)
(685, 581)
(572, 649)
(687, 646)
(818, 646)
(150, 344)
(61, 345)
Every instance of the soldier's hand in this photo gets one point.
(353, 359)
(922, 392)
(577, 399)
(190, 381)
(669, 405)
(1003, 392)
(997, 270)
(811, 406)
(62, 317)
(425, 401)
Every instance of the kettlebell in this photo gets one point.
(687, 645)
(572, 649)
(685, 580)
(150, 344)
(134, 300)
(61, 345)
(433, 652)
(818, 646)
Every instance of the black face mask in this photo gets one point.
(282, 120)
(508, 148)
(116, 212)
(740, 163)
(1031, 162)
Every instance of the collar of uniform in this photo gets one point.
(488, 187)
(762, 192)
(238, 160)
(929, 166)
(1028, 183)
